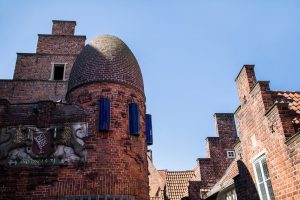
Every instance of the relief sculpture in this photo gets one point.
(29, 145)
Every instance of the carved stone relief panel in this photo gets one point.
(55, 145)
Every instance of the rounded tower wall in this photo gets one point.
(115, 155)
(106, 82)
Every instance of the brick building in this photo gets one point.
(195, 183)
(73, 125)
(73, 121)
(262, 163)
(267, 165)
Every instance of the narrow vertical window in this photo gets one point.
(104, 114)
(149, 136)
(134, 119)
(263, 179)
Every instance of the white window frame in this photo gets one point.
(258, 159)
(228, 154)
(230, 195)
(52, 71)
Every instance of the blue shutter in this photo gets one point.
(149, 136)
(134, 119)
(104, 114)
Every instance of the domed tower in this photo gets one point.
(106, 82)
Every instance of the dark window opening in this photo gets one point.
(58, 72)
(104, 114)
(134, 121)
(149, 136)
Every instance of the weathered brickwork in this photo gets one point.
(40, 66)
(116, 161)
(268, 125)
(263, 127)
(26, 91)
(63, 27)
(216, 162)
(111, 61)
(33, 76)
(59, 44)
(116, 152)
(194, 184)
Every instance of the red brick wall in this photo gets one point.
(214, 166)
(63, 27)
(294, 154)
(39, 66)
(245, 81)
(32, 75)
(32, 91)
(261, 131)
(60, 44)
(116, 162)
(116, 152)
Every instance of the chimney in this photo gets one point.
(245, 81)
(63, 27)
(225, 125)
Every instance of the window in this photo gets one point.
(149, 137)
(263, 179)
(58, 72)
(231, 195)
(104, 114)
(230, 154)
(134, 119)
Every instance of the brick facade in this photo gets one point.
(194, 184)
(216, 162)
(268, 126)
(264, 125)
(104, 164)
(33, 71)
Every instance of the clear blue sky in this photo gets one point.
(189, 51)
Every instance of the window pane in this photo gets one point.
(258, 171)
(104, 114)
(271, 194)
(265, 168)
(234, 196)
(134, 120)
(263, 191)
(149, 137)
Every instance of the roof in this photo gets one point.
(226, 180)
(177, 183)
(106, 59)
(293, 98)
